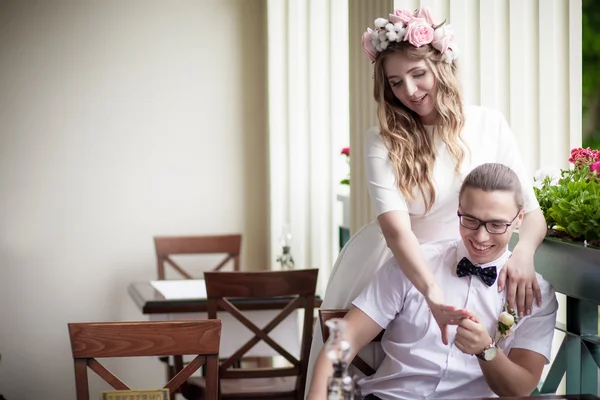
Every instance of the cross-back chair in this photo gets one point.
(324, 316)
(90, 341)
(167, 246)
(262, 383)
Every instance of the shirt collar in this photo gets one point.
(461, 252)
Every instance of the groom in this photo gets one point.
(417, 365)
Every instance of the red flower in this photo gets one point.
(595, 167)
(346, 151)
(580, 155)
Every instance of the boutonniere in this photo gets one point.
(506, 321)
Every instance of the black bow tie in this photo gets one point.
(488, 274)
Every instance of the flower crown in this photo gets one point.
(419, 28)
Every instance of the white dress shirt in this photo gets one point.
(417, 365)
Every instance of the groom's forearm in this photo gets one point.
(507, 378)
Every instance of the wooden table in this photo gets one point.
(151, 301)
(260, 311)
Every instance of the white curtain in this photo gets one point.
(362, 105)
(521, 57)
(308, 114)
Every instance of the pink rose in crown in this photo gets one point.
(443, 37)
(346, 151)
(418, 32)
(425, 13)
(401, 15)
(368, 48)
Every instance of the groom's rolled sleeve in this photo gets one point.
(536, 332)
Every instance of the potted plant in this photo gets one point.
(569, 258)
(570, 199)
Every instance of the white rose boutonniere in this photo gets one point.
(506, 321)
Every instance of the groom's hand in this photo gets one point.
(443, 314)
(472, 336)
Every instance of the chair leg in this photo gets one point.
(170, 372)
(170, 375)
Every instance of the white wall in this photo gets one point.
(119, 120)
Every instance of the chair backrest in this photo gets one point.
(326, 315)
(167, 246)
(298, 285)
(90, 341)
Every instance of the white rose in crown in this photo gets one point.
(506, 319)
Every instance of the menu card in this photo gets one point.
(181, 289)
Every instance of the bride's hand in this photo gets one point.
(443, 314)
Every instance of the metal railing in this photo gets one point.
(573, 270)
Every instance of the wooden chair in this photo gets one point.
(263, 383)
(326, 315)
(90, 341)
(167, 246)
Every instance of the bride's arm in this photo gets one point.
(405, 246)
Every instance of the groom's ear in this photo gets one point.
(519, 219)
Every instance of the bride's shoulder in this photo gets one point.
(373, 139)
(373, 133)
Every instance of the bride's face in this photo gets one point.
(414, 84)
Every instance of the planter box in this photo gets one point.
(570, 267)
(574, 270)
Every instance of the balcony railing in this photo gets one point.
(573, 270)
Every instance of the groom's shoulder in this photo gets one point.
(440, 252)
(548, 292)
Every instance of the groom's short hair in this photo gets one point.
(491, 177)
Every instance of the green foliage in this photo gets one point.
(592, 140)
(590, 47)
(573, 205)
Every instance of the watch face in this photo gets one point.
(490, 354)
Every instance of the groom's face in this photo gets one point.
(497, 209)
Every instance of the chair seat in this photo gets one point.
(256, 387)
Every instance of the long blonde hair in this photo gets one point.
(411, 149)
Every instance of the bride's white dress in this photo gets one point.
(488, 138)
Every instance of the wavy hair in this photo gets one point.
(411, 149)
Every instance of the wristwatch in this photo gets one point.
(489, 353)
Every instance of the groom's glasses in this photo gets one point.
(493, 227)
